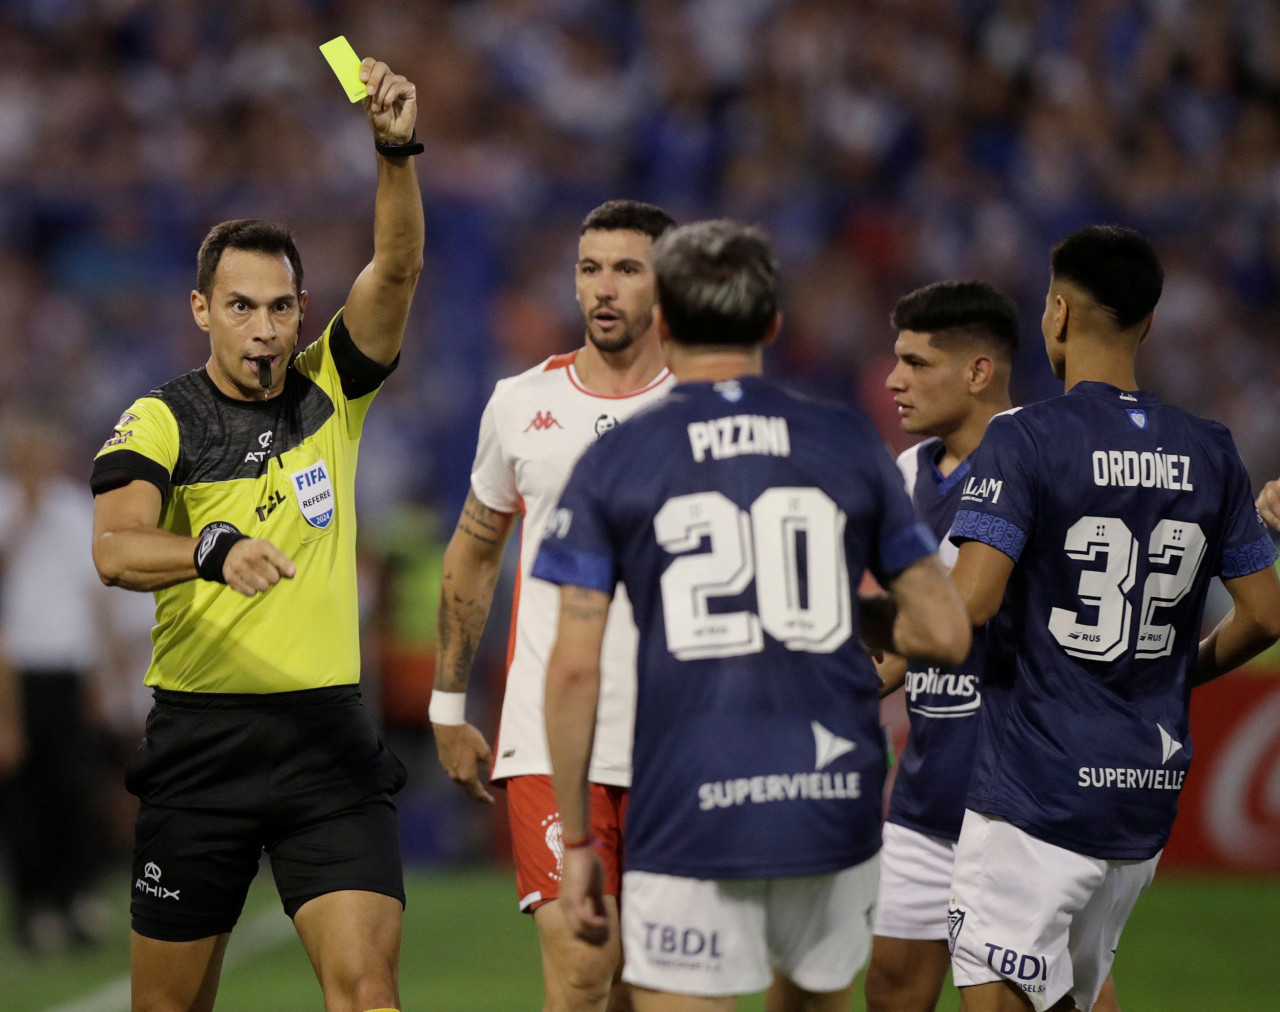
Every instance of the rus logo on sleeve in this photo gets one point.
(314, 492)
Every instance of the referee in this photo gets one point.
(229, 493)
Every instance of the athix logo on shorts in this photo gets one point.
(817, 786)
(150, 885)
(314, 493)
(543, 420)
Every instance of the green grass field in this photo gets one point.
(1207, 945)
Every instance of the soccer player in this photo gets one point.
(535, 426)
(740, 518)
(1099, 518)
(955, 347)
(230, 493)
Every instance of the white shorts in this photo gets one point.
(726, 937)
(915, 884)
(1046, 919)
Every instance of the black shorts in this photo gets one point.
(223, 777)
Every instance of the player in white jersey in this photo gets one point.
(534, 428)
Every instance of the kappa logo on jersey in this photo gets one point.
(604, 423)
(264, 442)
(122, 431)
(828, 746)
(314, 492)
(1137, 416)
(150, 885)
(543, 420)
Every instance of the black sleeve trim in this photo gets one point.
(359, 373)
(118, 468)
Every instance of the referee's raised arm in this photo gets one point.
(378, 305)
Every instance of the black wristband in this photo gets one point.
(412, 146)
(216, 541)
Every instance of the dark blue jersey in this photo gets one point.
(741, 519)
(942, 704)
(1117, 510)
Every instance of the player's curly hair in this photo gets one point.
(247, 234)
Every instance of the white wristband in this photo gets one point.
(448, 708)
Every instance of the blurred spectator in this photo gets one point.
(55, 635)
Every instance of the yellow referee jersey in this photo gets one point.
(281, 469)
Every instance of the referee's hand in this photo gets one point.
(255, 565)
(1269, 503)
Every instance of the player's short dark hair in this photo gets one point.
(717, 283)
(960, 312)
(629, 216)
(1117, 266)
(250, 234)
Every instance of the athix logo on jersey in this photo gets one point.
(604, 423)
(543, 420)
(264, 441)
(314, 492)
(1137, 416)
(828, 746)
(150, 884)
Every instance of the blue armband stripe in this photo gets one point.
(565, 566)
(999, 533)
(1250, 558)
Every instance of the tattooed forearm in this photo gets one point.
(460, 626)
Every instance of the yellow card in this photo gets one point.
(346, 65)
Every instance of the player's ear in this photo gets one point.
(302, 304)
(1146, 329)
(200, 309)
(982, 370)
(774, 327)
(664, 329)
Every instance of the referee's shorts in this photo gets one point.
(222, 777)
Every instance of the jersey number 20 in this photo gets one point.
(1108, 589)
(791, 543)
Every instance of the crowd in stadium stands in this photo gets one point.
(883, 143)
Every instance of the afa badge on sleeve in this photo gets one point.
(314, 492)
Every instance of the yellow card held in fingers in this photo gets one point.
(346, 66)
